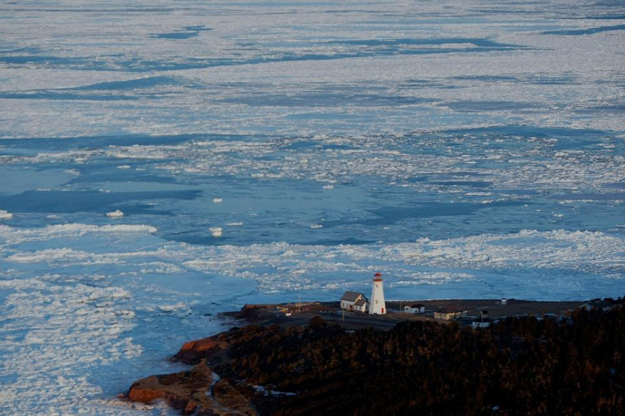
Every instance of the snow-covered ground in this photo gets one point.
(162, 161)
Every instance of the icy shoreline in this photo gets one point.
(260, 150)
(100, 314)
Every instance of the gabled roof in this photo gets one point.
(417, 305)
(352, 296)
(361, 302)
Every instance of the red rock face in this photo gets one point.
(191, 393)
(199, 345)
(149, 395)
(190, 408)
(193, 352)
(145, 395)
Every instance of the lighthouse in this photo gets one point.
(377, 305)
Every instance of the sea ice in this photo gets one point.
(470, 152)
(115, 287)
(115, 214)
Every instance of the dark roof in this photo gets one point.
(360, 302)
(351, 296)
(598, 303)
(417, 305)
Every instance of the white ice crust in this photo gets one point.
(216, 231)
(249, 68)
(83, 302)
(320, 91)
(115, 214)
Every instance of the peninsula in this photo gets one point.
(314, 358)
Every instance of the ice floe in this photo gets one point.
(216, 231)
(115, 214)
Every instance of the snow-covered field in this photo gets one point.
(162, 161)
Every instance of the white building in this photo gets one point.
(377, 305)
(483, 322)
(416, 308)
(448, 315)
(354, 301)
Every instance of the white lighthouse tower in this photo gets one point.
(377, 305)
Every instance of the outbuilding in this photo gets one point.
(447, 315)
(481, 323)
(354, 301)
(415, 308)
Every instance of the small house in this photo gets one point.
(361, 305)
(601, 305)
(481, 323)
(447, 315)
(354, 301)
(415, 308)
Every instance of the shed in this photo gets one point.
(448, 315)
(414, 308)
(481, 323)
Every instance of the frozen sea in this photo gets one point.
(164, 161)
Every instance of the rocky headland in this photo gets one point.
(527, 365)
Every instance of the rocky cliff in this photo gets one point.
(521, 366)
